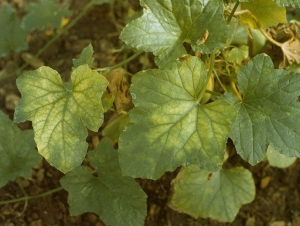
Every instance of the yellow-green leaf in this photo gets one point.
(60, 112)
(267, 12)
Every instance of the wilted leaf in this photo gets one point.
(12, 37)
(117, 200)
(60, 112)
(43, 13)
(289, 36)
(119, 87)
(278, 160)
(218, 195)
(269, 112)
(17, 150)
(267, 12)
(86, 57)
(166, 25)
(169, 127)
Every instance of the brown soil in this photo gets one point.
(277, 199)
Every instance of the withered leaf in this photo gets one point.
(119, 87)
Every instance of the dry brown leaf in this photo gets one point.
(265, 182)
(289, 36)
(119, 87)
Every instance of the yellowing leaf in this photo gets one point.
(267, 12)
(60, 112)
(169, 127)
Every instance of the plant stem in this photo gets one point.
(233, 11)
(221, 84)
(107, 69)
(113, 18)
(239, 96)
(246, 11)
(51, 41)
(18, 180)
(213, 93)
(32, 197)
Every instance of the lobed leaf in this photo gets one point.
(43, 13)
(269, 112)
(86, 57)
(169, 127)
(60, 112)
(167, 24)
(218, 195)
(117, 200)
(17, 150)
(12, 37)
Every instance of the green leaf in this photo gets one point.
(117, 200)
(266, 12)
(269, 112)
(17, 150)
(238, 54)
(86, 57)
(169, 127)
(60, 112)
(278, 160)
(293, 3)
(217, 195)
(166, 25)
(12, 37)
(114, 129)
(43, 13)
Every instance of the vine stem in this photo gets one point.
(51, 41)
(107, 69)
(31, 197)
(233, 11)
(213, 93)
(18, 179)
(219, 81)
(246, 11)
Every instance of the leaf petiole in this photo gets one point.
(107, 69)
